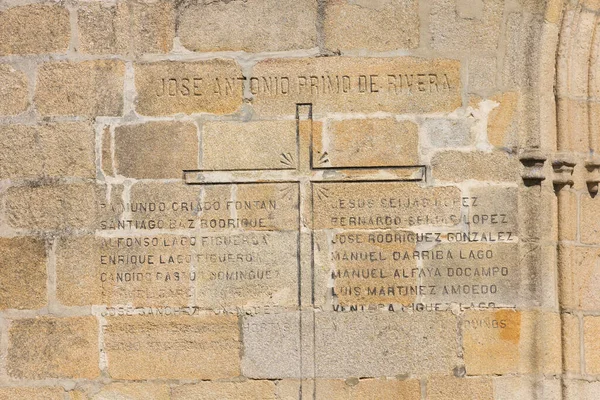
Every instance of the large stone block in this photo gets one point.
(249, 145)
(447, 387)
(128, 27)
(591, 330)
(386, 344)
(358, 389)
(156, 150)
(381, 25)
(457, 166)
(177, 347)
(32, 393)
(14, 95)
(509, 341)
(252, 26)
(50, 347)
(366, 143)
(57, 207)
(580, 277)
(349, 84)
(34, 29)
(22, 273)
(87, 88)
(55, 150)
(128, 391)
(466, 24)
(169, 87)
(264, 390)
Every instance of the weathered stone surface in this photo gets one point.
(22, 273)
(446, 387)
(580, 277)
(264, 333)
(366, 143)
(466, 25)
(87, 88)
(363, 268)
(179, 347)
(47, 347)
(128, 27)
(138, 271)
(225, 390)
(349, 84)
(581, 390)
(248, 25)
(32, 393)
(381, 205)
(482, 74)
(55, 150)
(591, 330)
(380, 25)
(249, 145)
(13, 90)
(156, 150)
(590, 220)
(252, 207)
(571, 342)
(443, 132)
(386, 344)
(456, 166)
(381, 389)
(520, 342)
(501, 121)
(130, 391)
(246, 269)
(168, 87)
(527, 388)
(34, 29)
(56, 207)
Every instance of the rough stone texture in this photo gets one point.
(225, 390)
(130, 391)
(380, 25)
(139, 271)
(590, 219)
(513, 338)
(443, 132)
(156, 150)
(179, 347)
(250, 26)
(55, 207)
(456, 166)
(87, 88)
(55, 150)
(259, 269)
(262, 334)
(32, 393)
(335, 204)
(382, 265)
(527, 388)
(465, 25)
(166, 88)
(249, 145)
(128, 27)
(47, 347)
(13, 90)
(580, 277)
(501, 121)
(386, 344)
(482, 74)
(581, 390)
(34, 29)
(349, 84)
(381, 389)
(446, 387)
(571, 339)
(366, 143)
(22, 273)
(591, 330)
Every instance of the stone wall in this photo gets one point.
(299, 199)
